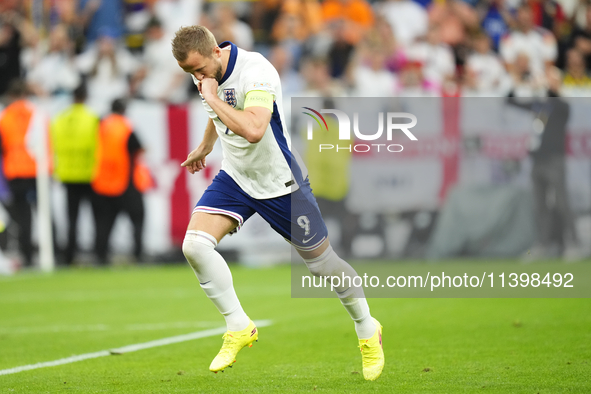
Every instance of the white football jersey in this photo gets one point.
(538, 44)
(268, 168)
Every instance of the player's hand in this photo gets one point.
(208, 88)
(195, 160)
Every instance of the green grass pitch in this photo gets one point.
(431, 345)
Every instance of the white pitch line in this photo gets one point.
(54, 329)
(104, 327)
(127, 349)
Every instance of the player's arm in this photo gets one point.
(251, 123)
(196, 159)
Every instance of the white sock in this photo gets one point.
(352, 298)
(214, 277)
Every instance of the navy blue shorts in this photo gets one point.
(295, 216)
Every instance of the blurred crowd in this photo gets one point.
(98, 161)
(121, 48)
(99, 53)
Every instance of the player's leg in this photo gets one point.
(109, 209)
(20, 209)
(134, 206)
(204, 232)
(323, 261)
(222, 209)
(74, 196)
(297, 217)
(309, 236)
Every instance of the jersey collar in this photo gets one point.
(231, 61)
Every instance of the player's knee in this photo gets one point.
(317, 269)
(197, 246)
(327, 264)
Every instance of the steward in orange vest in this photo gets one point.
(120, 179)
(19, 164)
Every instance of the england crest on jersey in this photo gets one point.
(230, 97)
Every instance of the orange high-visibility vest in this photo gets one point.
(14, 124)
(113, 161)
(142, 178)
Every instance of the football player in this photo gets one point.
(241, 92)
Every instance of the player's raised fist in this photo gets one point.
(209, 88)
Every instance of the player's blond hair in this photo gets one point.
(192, 39)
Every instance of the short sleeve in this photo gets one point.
(259, 77)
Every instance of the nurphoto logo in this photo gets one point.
(392, 120)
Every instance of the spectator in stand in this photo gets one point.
(290, 32)
(318, 81)
(485, 75)
(298, 21)
(98, 16)
(581, 38)
(549, 15)
(227, 27)
(351, 17)
(108, 66)
(346, 22)
(74, 139)
(496, 19)
(576, 81)
(536, 43)
(32, 47)
(75, 20)
(282, 60)
(263, 18)
(435, 57)
(408, 20)
(137, 17)
(412, 83)
(370, 66)
(579, 12)
(160, 76)
(119, 181)
(454, 19)
(307, 12)
(10, 50)
(291, 80)
(526, 81)
(175, 13)
(18, 126)
(56, 71)
(394, 52)
(339, 52)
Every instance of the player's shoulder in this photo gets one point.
(254, 68)
(253, 61)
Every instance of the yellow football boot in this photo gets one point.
(234, 341)
(372, 354)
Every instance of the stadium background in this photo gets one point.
(333, 48)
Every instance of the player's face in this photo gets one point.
(202, 67)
